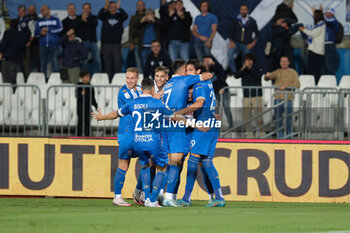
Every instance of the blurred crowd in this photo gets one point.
(70, 45)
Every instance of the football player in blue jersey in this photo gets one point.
(204, 111)
(193, 67)
(127, 93)
(148, 116)
(176, 92)
(161, 76)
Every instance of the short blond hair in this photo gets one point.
(162, 68)
(133, 70)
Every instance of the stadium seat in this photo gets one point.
(29, 96)
(20, 78)
(54, 79)
(54, 101)
(345, 82)
(327, 81)
(34, 117)
(59, 117)
(19, 116)
(36, 78)
(99, 79)
(119, 79)
(233, 82)
(306, 81)
(6, 95)
(4, 114)
(1, 78)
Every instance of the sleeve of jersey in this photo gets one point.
(166, 111)
(123, 111)
(121, 100)
(192, 79)
(198, 92)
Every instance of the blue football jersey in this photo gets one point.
(148, 116)
(176, 91)
(204, 90)
(126, 95)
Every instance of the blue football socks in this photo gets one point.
(214, 177)
(119, 179)
(173, 176)
(157, 185)
(146, 181)
(192, 166)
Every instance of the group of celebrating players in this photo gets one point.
(187, 97)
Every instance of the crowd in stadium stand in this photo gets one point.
(70, 45)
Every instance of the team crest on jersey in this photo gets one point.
(127, 95)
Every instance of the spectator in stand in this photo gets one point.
(164, 10)
(148, 28)
(330, 53)
(71, 21)
(179, 24)
(156, 58)
(87, 32)
(284, 77)
(244, 36)
(283, 27)
(252, 92)
(219, 84)
(23, 26)
(112, 16)
(12, 49)
(48, 29)
(133, 33)
(204, 29)
(85, 98)
(32, 50)
(317, 35)
(73, 54)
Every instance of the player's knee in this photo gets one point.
(162, 169)
(123, 164)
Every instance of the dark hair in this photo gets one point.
(249, 56)
(285, 57)
(156, 41)
(209, 5)
(177, 64)
(244, 5)
(197, 64)
(14, 24)
(147, 84)
(318, 16)
(70, 4)
(83, 73)
(87, 3)
(21, 7)
(208, 56)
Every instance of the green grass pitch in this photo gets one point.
(51, 215)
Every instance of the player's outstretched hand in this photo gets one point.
(97, 115)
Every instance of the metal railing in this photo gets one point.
(318, 113)
(20, 110)
(255, 115)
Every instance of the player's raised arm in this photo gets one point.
(206, 76)
(193, 107)
(100, 117)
